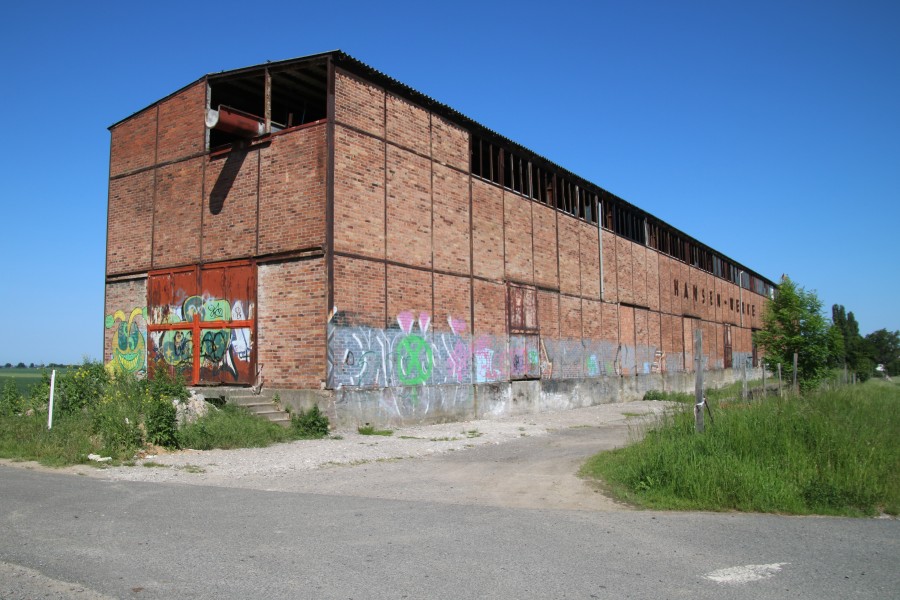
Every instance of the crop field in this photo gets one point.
(26, 378)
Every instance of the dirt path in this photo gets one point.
(529, 461)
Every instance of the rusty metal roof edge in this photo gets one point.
(356, 66)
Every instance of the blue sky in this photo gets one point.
(768, 130)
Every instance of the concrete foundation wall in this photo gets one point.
(395, 406)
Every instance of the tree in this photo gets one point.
(883, 348)
(856, 355)
(793, 322)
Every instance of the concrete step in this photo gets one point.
(263, 408)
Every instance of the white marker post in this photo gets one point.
(50, 410)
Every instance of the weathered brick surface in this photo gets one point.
(654, 330)
(230, 206)
(609, 322)
(653, 280)
(359, 291)
(570, 326)
(548, 315)
(133, 143)
(590, 260)
(130, 223)
(490, 308)
(519, 264)
(358, 103)
(641, 332)
(592, 317)
(450, 144)
(639, 273)
(665, 283)
(610, 268)
(569, 256)
(176, 231)
(408, 290)
(624, 270)
(408, 125)
(358, 193)
(487, 230)
(182, 124)
(292, 191)
(292, 324)
(452, 299)
(546, 263)
(408, 208)
(451, 220)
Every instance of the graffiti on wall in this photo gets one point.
(219, 348)
(129, 340)
(411, 354)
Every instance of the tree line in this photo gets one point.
(794, 323)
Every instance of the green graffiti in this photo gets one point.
(533, 357)
(129, 342)
(415, 360)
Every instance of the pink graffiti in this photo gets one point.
(458, 362)
(457, 326)
(424, 321)
(406, 319)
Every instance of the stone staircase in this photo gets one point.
(262, 407)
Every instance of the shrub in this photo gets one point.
(10, 399)
(231, 427)
(77, 389)
(310, 424)
(160, 422)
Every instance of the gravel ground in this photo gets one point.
(348, 447)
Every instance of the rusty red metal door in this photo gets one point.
(202, 322)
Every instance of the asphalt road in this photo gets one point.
(65, 536)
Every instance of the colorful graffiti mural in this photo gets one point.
(129, 340)
(220, 349)
(412, 354)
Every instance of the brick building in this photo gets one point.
(320, 228)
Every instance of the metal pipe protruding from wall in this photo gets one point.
(235, 122)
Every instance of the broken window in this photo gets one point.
(272, 99)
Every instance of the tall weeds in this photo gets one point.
(832, 452)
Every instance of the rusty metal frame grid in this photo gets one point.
(195, 326)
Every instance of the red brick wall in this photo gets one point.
(569, 256)
(610, 269)
(490, 308)
(487, 230)
(130, 223)
(548, 315)
(182, 124)
(518, 238)
(408, 208)
(451, 220)
(546, 254)
(590, 260)
(452, 298)
(292, 191)
(133, 143)
(358, 104)
(408, 290)
(359, 291)
(176, 223)
(230, 205)
(359, 184)
(291, 323)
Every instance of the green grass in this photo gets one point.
(833, 452)
(232, 427)
(370, 430)
(27, 438)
